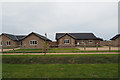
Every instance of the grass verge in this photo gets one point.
(61, 59)
(60, 71)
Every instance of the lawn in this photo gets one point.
(60, 70)
(61, 59)
(60, 66)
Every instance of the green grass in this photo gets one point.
(62, 50)
(60, 66)
(61, 59)
(60, 71)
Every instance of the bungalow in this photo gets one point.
(10, 40)
(34, 40)
(116, 40)
(77, 39)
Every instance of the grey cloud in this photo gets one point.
(22, 18)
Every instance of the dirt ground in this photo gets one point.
(8, 49)
(82, 48)
(99, 48)
(56, 53)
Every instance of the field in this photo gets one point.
(61, 66)
(61, 59)
(60, 70)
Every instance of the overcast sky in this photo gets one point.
(51, 17)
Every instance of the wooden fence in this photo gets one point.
(62, 49)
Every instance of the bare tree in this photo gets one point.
(45, 44)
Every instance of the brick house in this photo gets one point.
(115, 41)
(34, 40)
(10, 40)
(77, 39)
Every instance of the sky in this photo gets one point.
(100, 18)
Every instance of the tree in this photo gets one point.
(45, 44)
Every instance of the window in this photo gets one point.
(8, 43)
(66, 41)
(0, 43)
(33, 42)
(82, 41)
(90, 41)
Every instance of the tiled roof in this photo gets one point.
(115, 37)
(20, 37)
(77, 36)
(40, 36)
(14, 37)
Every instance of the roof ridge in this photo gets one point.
(38, 35)
(77, 35)
(114, 37)
(65, 34)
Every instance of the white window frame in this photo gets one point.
(32, 42)
(90, 41)
(8, 43)
(68, 40)
(82, 41)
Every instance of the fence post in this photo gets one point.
(42, 49)
(46, 49)
(13, 48)
(2, 49)
(97, 47)
(59, 49)
(84, 47)
(109, 47)
(72, 48)
(24, 49)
